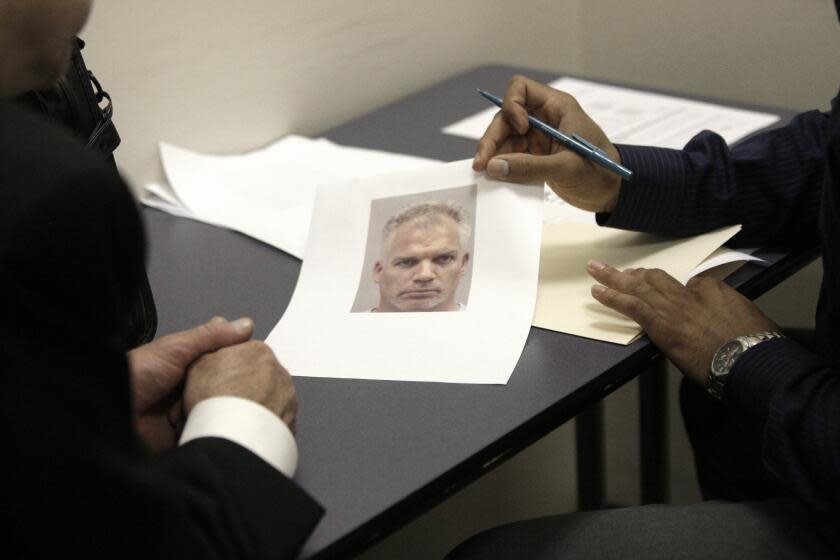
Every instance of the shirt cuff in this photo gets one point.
(653, 199)
(248, 424)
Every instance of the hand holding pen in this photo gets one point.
(513, 149)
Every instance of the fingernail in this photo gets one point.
(598, 289)
(218, 319)
(243, 325)
(498, 168)
(595, 265)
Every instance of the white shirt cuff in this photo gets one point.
(248, 424)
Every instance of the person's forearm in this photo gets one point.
(236, 501)
(770, 184)
(791, 399)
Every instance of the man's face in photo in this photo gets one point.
(421, 266)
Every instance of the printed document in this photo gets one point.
(266, 194)
(425, 275)
(630, 116)
(564, 302)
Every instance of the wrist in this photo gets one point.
(613, 190)
(613, 186)
(726, 356)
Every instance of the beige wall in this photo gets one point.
(224, 77)
(221, 76)
(777, 52)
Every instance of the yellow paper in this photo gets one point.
(564, 302)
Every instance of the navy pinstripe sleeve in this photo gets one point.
(789, 396)
(773, 184)
(769, 183)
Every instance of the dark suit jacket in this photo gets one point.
(784, 187)
(76, 479)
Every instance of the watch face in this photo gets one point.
(726, 354)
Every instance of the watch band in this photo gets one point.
(726, 356)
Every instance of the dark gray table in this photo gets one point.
(375, 453)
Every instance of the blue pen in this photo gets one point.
(574, 142)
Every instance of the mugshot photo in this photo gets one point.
(419, 253)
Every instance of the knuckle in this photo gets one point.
(658, 274)
(209, 331)
(635, 283)
(608, 296)
(261, 350)
(556, 104)
(563, 102)
(607, 275)
(635, 307)
(651, 276)
(516, 79)
(204, 330)
(178, 352)
(501, 125)
(702, 283)
(486, 144)
(644, 275)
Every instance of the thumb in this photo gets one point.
(187, 346)
(526, 168)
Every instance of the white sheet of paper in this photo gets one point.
(564, 302)
(267, 194)
(318, 336)
(163, 192)
(723, 256)
(630, 116)
(151, 199)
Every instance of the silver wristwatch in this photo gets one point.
(725, 358)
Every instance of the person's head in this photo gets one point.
(36, 39)
(424, 255)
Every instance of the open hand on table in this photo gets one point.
(688, 323)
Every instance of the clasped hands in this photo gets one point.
(170, 375)
(687, 322)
